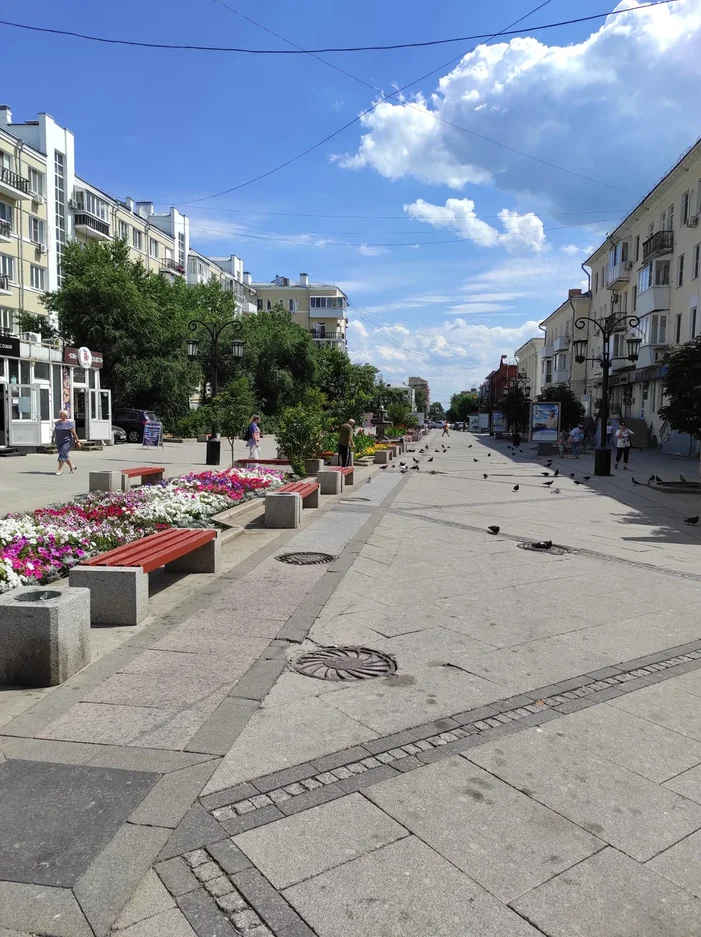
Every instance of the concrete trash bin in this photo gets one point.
(382, 457)
(330, 482)
(44, 635)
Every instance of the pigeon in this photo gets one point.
(556, 473)
(542, 544)
(548, 464)
(434, 472)
(415, 468)
(368, 480)
(515, 488)
(470, 446)
(485, 475)
(555, 491)
(494, 529)
(431, 459)
(489, 455)
(550, 482)
(520, 450)
(474, 459)
(634, 481)
(393, 466)
(571, 474)
(545, 474)
(682, 479)
(658, 479)
(651, 478)
(436, 450)
(383, 468)
(411, 450)
(692, 520)
(404, 471)
(577, 482)
(401, 464)
(414, 459)
(586, 477)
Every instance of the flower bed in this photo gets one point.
(41, 546)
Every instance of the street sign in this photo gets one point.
(153, 435)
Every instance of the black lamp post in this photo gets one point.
(214, 330)
(606, 328)
(519, 383)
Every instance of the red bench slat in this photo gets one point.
(346, 469)
(143, 470)
(156, 550)
(302, 488)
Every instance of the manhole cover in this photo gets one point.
(539, 547)
(345, 663)
(305, 559)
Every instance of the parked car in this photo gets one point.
(118, 434)
(133, 422)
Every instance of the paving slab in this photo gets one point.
(620, 807)
(610, 895)
(688, 784)
(41, 909)
(505, 841)
(67, 753)
(681, 864)
(150, 898)
(665, 705)
(641, 634)
(197, 828)
(403, 888)
(55, 819)
(301, 846)
(169, 800)
(172, 923)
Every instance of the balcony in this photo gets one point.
(546, 351)
(619, 275)
(91, 226)
(651, 355)
(328, 336)
(562, 343)
(4, 283)
(561, 376)
(661, 242)
(13, 185)
(656, 299)
(5, 230)
(172, 266)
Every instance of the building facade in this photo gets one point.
(420, 383)
(319, 307)
(557, 364)
(496, 385)
(529, 364)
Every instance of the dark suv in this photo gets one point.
(133, 422)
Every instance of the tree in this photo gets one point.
(462, 405)
(682, 385)
(516, 407)
(234, 406)
(399, 413)
(420, 398)
(571, 410)
(436, 412)
(211, 304)
(349, 388)
(299, 434)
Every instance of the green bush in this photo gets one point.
(299, 435)
(196, 423)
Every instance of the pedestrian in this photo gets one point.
(609, 434)
(516, 438)
(575, 439)
(253, 436)
(64, 434)
(561, 444)
(623, 443)
(446, 427)
(345, 442)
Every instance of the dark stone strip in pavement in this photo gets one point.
(256, 683)
(229, 796)
(451, 748)
(265, 900)
(604, 673)
(379, 745)
(287, 776)
(358, 781)
(574, 705)
(513, 702)
(296, 930)
(223, 727)
(131, 758)
(64, 753)
(407, 764)
(475, 715)
(322, 795)
(249, 821)
(345, 757)
(169, 800)
(229, 856)
(176, 876)
(433, 728)
(204, 916)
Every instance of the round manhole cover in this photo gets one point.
(305, 559)
(345, 663)
(544, 547)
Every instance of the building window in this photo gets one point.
(326, 302)
(153, 248)
(294, 305)
(36, 230)
(259, 304)
(36, 181)
(37, 277)
(181, 248)
(678, 329)
(617, 344)
(637, 248)
(137, 239)
(596, 282)
(6, 213)
(663, 221)
(695, 262)
(685, 207)
(680, 270)
(7, 266)
(692, 323)
(658, 330)
(59, 210)
(635, 298)
(7, 321)
(6, 161)
(93, 205)
(123, 231)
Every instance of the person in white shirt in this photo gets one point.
(623, 442)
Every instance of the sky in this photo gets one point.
(455, 214)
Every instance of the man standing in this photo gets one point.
(446, 427)
(575, 439)
(345, 442)
(253, 438)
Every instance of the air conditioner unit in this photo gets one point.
(34, 337)
(692, 222)
(73, 203)
(37, 199)
(40, 248)
(629, 264)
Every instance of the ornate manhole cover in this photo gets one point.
(544, 547)
(345, 663)
(305, 559)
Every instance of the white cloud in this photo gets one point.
(572, 250)
(458, 214)
(578, 106)
(369, 250)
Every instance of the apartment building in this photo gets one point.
(319, 307)
(420, 383)
(557, 364)
(649, 267)
(530, 364)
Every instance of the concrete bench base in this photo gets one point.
(330, 482)
(118, 594)
(348, 477)
(382, 457)
(283, 509)
(43, 643)
(205, 559)
(312, 466)
(106, 481)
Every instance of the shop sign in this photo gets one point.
(82, 358)
(9, 347)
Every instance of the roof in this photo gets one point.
(258, 284)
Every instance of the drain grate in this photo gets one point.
(554, 550)
(345, 663)
(305, 559)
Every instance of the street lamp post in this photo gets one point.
(606, 327)
(214, 330)
(518, 383)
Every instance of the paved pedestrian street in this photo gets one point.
(523, 758)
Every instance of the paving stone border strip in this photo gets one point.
(298, 788)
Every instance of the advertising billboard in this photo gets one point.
(474, 423)
(498, 422)
(545, 422)
(484, 422)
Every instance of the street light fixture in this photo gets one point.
(606, 327)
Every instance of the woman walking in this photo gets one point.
(65, 434)
(623, 443)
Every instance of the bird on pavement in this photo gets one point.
(414, 459)
(692, 520)
(384, 468)
(634, 481)
(548, 464)
(489, 455)
(404, 471)
(658, 479)
(520, 450)
(515, 488)
(368, 480)
(415, 468)
(411, 450)
(586, 477)
(401, 464)
(474, 459)
(651, 478)
(545, 474)
(494, 529)
(556, 473)
(542, 544)
(555, 491)
(682, 479)
(485, 475)
(571, 474)
(431, 459)
(470, 446)
(577, 482)
(550, 482)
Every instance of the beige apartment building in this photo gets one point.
(649, 267)
(530, 364)
(319, 307)
(557, 362)
(420, 383)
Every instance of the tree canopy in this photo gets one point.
(462, 405)
(682, 385)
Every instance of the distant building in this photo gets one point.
(420, 382)
(318, 307)
(529, 364)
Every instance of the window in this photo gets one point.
(59, 210)
(36, 181)
(635, 298)
(123, 231)
(645, 278)
(137, 239)
(670, 218)
(695, 262)
(685, 207)
(93, 205)
(36, 230)
(678, 329)
(561, 362)
(637, 248)
(6, 213)
(153, 248)
(596, 282)
(623, 302)
(602, 278)
(658, 330)
(618, 345)
(6, 161)
(41, 371)
(692, 322)
(293, 305)
(680, 270)
(37, 277)
(662, 273)
(7, 320)
(259, 304)
(181, 248)
(327, 302)
(663, 221)
(268, 305)
(168, 253)
(7, 266)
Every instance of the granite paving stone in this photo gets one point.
(144, 759)
(610, 895)
(688, 784)
(223, 727)
(406, 884)
(150, 898)
(176, 876)
(67, 753)
(620, 807)
(304, 845)
(172, 923)
(169, 800)
(681, 864)
(196, 829)
(228, 856)
(41, 910)
(110, 725)
(665, 705)
(204, 915)
(270, 906)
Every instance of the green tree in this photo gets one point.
(399, 413)
(349, 388)
(436, 411)
(234, 406)
(516, 407)
(462, 405)
(211, 304)
(571, 410)
(420, 398)
(682, 385)
(299, 434)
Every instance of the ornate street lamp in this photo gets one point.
(606, 328)
(214, 330)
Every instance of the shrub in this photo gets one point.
(299, 435)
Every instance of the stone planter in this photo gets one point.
(44, 635)
(312, 466)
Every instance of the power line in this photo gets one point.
(404, 217)
(382, 48)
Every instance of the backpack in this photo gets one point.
(246, 435)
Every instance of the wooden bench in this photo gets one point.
(118, 579)
(283, 507)
(262, 461)
(348, 472)
(153, 473)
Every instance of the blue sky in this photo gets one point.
(455, 246)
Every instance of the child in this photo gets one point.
(561, 445)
